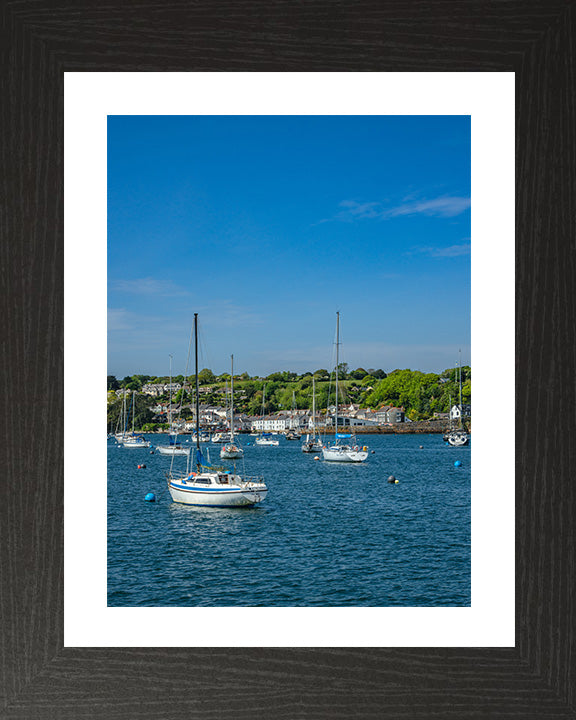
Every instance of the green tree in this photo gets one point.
(342, 370)
(358, 374)
(254, 404)
(142, 413)
(206, 376)
(182, 396)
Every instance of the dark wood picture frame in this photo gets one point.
(41, 39)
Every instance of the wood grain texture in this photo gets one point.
(40, 40)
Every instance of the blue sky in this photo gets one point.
(267, 225)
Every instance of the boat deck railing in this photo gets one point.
(256, 479)
(179, 475)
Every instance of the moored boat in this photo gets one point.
(133, 440)
(265, 438)
(338, 451)
(458, 437)
(231, 450)
(208, 486)
(174, 447)
(312, 443)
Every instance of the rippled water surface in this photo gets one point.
(328, 534)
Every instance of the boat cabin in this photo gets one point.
(209, 479)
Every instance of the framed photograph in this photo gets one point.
(192, 192)
(68, 650)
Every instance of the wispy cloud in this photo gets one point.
(149, 286)
(226, 313)
(445, 207)
(119, 319)
(439, 207)
(365, 211)
(451, 251)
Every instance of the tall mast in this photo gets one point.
(263, 404)
(197, 391)
(460, 381)
(170, 405)
(313, 407)
(337, 360)
(232, 400)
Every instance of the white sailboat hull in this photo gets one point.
(167, 450)
(134, 444)
(309, 446)
(235, 493)
(458, 439)
(231, 452)
(340, 453)
(221, 438)
(266, 441)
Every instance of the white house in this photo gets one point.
(271, 423)
(388, 414)
(456, 412)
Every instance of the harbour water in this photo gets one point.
(328, 534)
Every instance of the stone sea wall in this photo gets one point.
(424, 426)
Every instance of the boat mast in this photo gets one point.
(197, 393)
(460, 381)
(232, 400)
(337, 358)
(263, 404)
(170, 401)
(313, 407)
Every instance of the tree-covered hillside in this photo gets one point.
(421, 394)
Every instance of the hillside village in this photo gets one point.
(166, 406)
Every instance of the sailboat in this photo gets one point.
(459, 437)
(174, 446)
(293, 434)
(338, 451)
(265, 438)
(122, 421)
(312, 443)
(231, 450)
(208, 486)
(133, 440)
(223, 436)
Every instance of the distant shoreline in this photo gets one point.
(413, 428)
